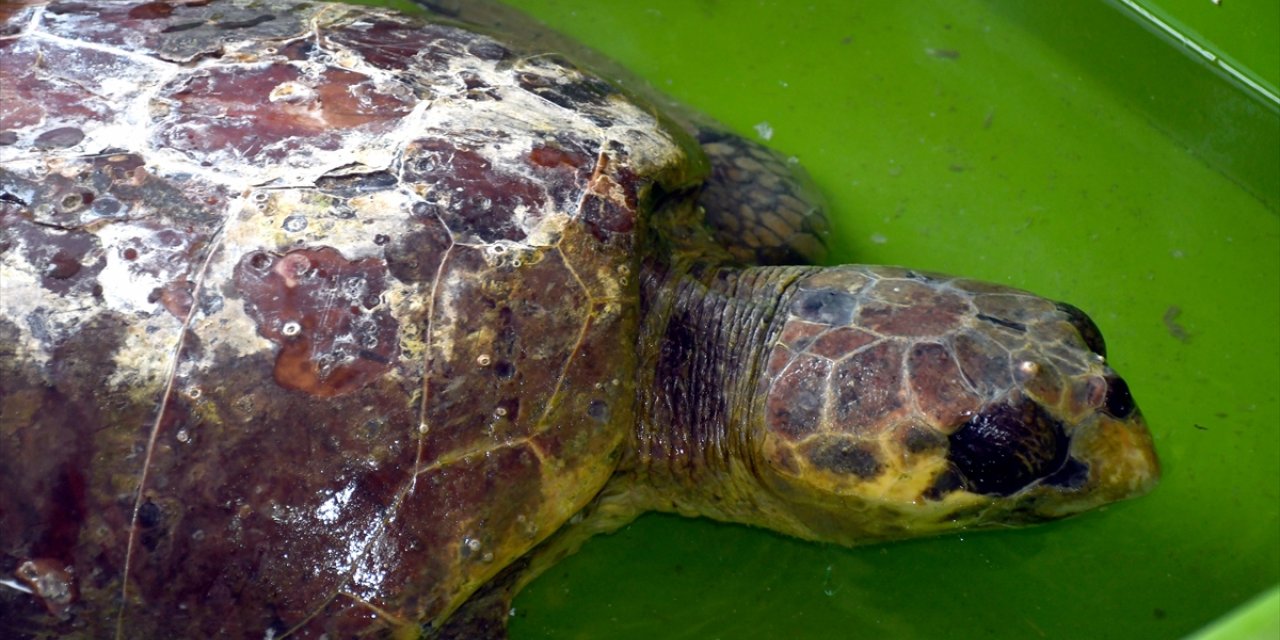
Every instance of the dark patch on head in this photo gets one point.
(1007, 447)
(918, 439)
(1119, 402)
(842, 456)
(1089, 331)
(1001, 322)
(824, 306)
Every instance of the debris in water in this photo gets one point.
(1176, 330)
(764, 130)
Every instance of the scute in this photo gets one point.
(321, 316)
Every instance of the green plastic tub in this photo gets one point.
(1073, 149)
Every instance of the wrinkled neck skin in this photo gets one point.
(701, 352)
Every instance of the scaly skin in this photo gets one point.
(857, 404)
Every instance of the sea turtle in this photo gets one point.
(322, 320)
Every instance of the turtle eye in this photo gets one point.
(1007, 447)
(1088, 330)
(1119, 402)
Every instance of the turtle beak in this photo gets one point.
(1115, 459)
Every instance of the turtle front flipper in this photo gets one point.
(760, 205)
(485, 614)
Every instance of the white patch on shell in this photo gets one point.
(137, 364)
(26, 303)
(131, 87)
(294, 92)
(127, 285)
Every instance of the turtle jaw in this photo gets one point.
(1103, 459)
(1111, 460)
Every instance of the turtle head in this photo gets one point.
(896, 404)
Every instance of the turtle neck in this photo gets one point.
(701, 350)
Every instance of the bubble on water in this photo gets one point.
(764, 130)
(483, 360)
(291, 329)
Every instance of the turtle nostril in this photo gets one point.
(1119, 402)
(1089, 331)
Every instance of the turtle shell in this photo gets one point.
(314, 317)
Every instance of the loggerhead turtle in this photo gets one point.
(321, 320)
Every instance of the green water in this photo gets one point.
(1067, 151)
